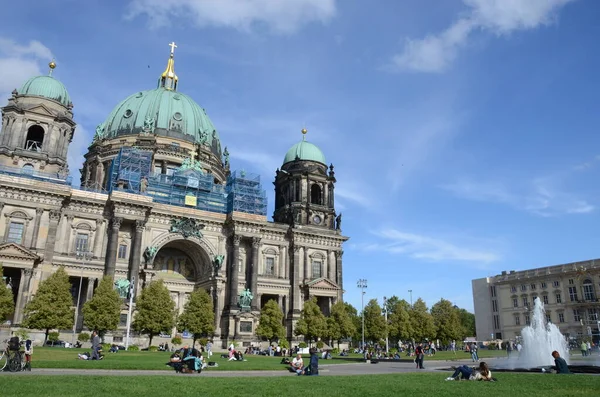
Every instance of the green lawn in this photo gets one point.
(53, 357)
(427, 384)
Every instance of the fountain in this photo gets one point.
(540, 339)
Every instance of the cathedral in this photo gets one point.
(157, 200)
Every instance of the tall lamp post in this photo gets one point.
(83, 256)
(129, 311)
(387, 343)
(410, 292)
(362, 284)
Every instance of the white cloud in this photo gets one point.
(18, 62)
(541, 197)
(435, 53)
(428, 248)
(280, 16)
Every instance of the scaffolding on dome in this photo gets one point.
(187, 187)
(245, 193)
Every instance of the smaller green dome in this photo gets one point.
(304, 150)
(47, 87)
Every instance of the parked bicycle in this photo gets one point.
(12, 358)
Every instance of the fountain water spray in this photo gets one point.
(540, 339)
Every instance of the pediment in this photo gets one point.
(15, 251)
(322, 283)
(41, 109)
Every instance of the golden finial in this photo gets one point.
(304, 131)
(168, 78)
(52, 66)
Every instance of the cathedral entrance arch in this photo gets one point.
(182, 259)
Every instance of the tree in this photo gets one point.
(51, 307)
(375, 326)
(356, 320)
(447, 323)
(198, 315)
(467, 321)
(421, 321)
(339, 323)
(155, 310)
(312, 323)
(270, 325)
(7, 302)
(390, 304)
(103, 311)
(399, 321)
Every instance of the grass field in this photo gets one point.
(427, 384)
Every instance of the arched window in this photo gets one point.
(588, 290)
(315, 194)
(35, 138)
(28, 169)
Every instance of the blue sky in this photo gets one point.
(464, 132)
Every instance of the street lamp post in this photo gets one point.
(129, 311)
(410, 292)
(387, 343)
(362, 284)
(83, 256)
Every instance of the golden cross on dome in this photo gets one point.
(173, 46)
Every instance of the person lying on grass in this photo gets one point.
(468, 373)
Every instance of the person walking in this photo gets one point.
(419, 356)
(95, 346)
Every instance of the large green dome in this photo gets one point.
(304, 150)
(164, 112)
(47, 87)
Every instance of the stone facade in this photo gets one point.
(129, 235)
(503, 303)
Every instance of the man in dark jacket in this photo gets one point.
(561, 364)
(95, 346)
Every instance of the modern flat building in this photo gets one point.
(503, 303)
(157, 200)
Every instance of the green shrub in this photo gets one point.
(335, 350)
(284, 344)
(153, 348)
(302, 345)
(203, 341)
(320, 344)
(393, 351)
(22, 334)
(176, 340)
(106, 347)
(53, 336)
(492, 346)
(84, 337)
(133, 348)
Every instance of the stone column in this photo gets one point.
(110, 263)
(338, 265)
(51, 239)
(234, 273)
(136, 251)
(331, 266)
(306, 266)
(295, 304)
(283, 262)
(36, 227)
(254, 274)
(23, 283)
(90, 289)
(98, 237)
(218, 310)
(280, 302)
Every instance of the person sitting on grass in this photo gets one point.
(297, 365)
(561, 365)
(191, 358)
(468, 373)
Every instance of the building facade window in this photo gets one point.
(588, 290)
(576, 315)
(515, 302)
(527, 320)
(122, 253)
(269, 266)
(494, 305)
(573, 294)
(544, 285)
(571, 282)
(548, 318)
(533, 287)
(496, 321)
(525, 301)
(513, 289)
(556, 284)
(558, 298)
(316, 269)
(517, 319)
(593, 314)
(561, 317)
(523, 287)
(81, 242)
(545, 299)
(15, 232)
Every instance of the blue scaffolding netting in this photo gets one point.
(187, 186)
